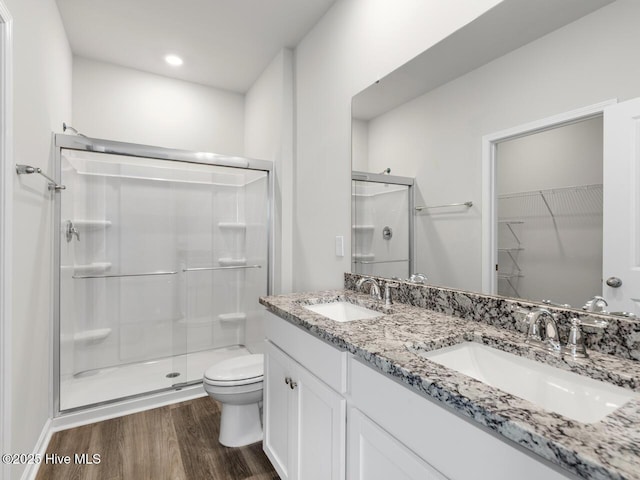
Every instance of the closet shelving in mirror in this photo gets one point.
(509, 278)
(512, 252)
(573, 200)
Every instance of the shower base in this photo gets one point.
(109, 384)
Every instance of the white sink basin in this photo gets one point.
(574, 396)
(343, 311)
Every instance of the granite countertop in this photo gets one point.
(608, 449)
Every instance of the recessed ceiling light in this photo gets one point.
(173, 60)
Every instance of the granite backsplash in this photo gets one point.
(603, 333)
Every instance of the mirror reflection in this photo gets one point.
(382, 214)
(544, 198)
(549, 211)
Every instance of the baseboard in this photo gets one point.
(40, 448)
(126, 407)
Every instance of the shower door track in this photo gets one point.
(82, 143)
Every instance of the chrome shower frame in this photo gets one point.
(82, 143)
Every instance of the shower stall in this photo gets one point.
(382, 224)
(161, 256)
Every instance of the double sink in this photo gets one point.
(555, 390)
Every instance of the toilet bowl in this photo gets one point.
(237, 384)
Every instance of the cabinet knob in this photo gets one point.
(293, 384)
(287, 380)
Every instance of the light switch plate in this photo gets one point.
(339, 246)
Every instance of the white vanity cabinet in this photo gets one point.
(304, 409)
(388, 432)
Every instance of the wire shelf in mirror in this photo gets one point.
(574, 200)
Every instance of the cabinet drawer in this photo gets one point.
(323, 360)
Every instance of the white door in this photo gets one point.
(621, 203)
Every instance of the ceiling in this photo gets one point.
(224, 43)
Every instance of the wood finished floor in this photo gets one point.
(175, 442)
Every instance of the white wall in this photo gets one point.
(268, 135)
(127, 105)
(353, 45)
(42, 101)
(437, 137)
(566, 156)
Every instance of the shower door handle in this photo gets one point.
(71, 230)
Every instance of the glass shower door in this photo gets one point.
(381, 228)
(226, 266)
(161, 266)
(121, 287)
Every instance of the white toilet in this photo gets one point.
(237, 384)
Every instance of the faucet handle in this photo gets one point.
(388, 300)
(575, 343)
(419, 278)
(596, 305)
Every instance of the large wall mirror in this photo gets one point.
(532, 222)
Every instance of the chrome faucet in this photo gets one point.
(596, 304)
(375, 287)
(547, 337)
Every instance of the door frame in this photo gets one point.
(7, 170)
(489, 158)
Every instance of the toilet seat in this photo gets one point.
(243, 370)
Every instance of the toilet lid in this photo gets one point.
(245, 367)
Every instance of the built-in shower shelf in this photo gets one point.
(232, 262)
(232, 317)
(363, 256)
(241, 226)
(89, 268)
(91, 336)
(363, 228)
(223, 318)
(91, 224)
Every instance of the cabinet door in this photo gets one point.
(321, 430)
(280, 410)
(375, 455)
